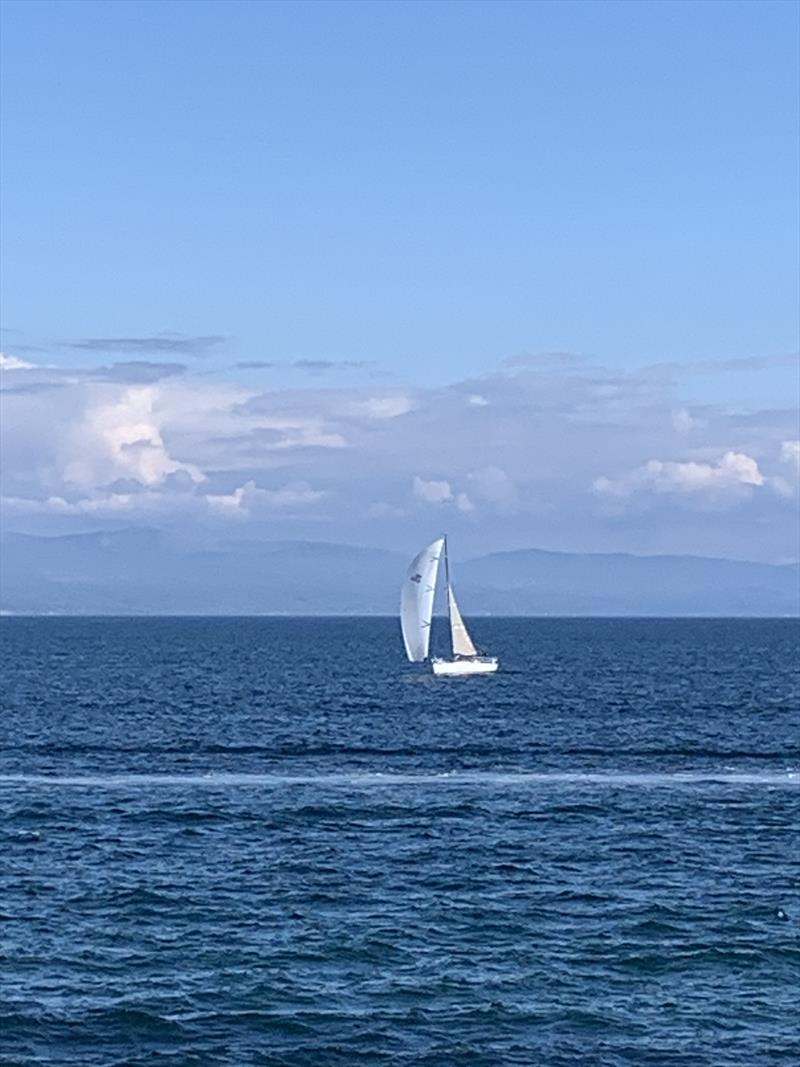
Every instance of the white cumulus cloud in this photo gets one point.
(441, 492)
(108, 505)
(432, 492)
(733, 471)
(14, 363)
(122, 438)
(242, 501)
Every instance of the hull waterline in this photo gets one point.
(480, 665)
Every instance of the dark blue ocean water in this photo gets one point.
(272, 841)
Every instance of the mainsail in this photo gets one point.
(416, 601)
(462, 642)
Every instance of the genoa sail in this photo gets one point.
(462, 642)
(416, 601)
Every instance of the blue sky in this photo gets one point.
(332, 204)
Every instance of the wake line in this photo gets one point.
(457, 778)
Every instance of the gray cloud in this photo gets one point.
(31, 388)
(137, 372)
(313, 366)
(164, 342)
(559, 360)
(129, 372)
(321, 366)
(723, 366)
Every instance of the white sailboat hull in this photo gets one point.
(478, 665)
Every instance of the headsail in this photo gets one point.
(416, 601)
(462, 642)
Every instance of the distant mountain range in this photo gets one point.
(143, 572)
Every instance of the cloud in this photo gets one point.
(558, 452)
(733, 471)
(684, 422)
(432, 492)
(320, 366)
(138, 372)
(494, 486)
(560, 360)
(391, 406)
(32, 388)
(122, 438)
(490, 485)
(249, 497)
(134, 372)
(790, 453)
(788, 486)
(381, 510)
(441, 492)
(14, 363)
(723, 366)
(295, 494)
(253, 427)
(240, 503)
(164, 342)
(313, 366)
(280, 435)
(106, 506)
(301, 433)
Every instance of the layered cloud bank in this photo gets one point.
(551, 450)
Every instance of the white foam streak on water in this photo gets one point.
(686, 779)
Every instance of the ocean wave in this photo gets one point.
(784, 777)
(491, 749)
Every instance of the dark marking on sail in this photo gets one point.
(415, 578)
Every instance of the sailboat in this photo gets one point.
(416, 613)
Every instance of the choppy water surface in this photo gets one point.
(263, 841)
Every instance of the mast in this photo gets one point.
(449, 596)
(461, 643)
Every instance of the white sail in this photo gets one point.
(416, 601)
(462, 642)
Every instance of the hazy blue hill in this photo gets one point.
(146, 571)
(534, 581)
(149, 572)
(297, 577)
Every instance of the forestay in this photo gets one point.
(462, 642)
(416, 601)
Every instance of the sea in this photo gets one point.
(273, 841)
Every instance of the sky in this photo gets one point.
(367, 271)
